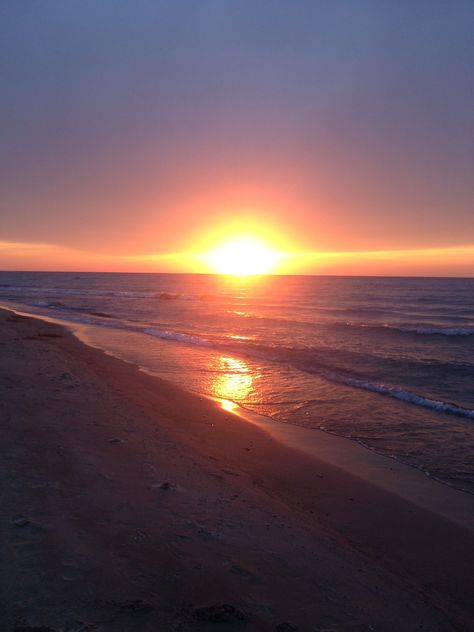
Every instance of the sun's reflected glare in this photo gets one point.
(228, 406)
(233, 382)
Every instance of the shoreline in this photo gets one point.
(407, 481)
(280, 534)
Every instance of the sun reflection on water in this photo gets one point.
(227, 405)
(232, 383)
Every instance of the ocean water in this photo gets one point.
(387, 362)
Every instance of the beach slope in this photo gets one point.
(130, 504)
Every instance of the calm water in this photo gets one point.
(388, 362)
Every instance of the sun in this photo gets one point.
(243, 257)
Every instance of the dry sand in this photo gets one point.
(128, 504)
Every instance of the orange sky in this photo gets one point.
(457, 261)
(139, 139)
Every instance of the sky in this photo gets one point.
(136, 135)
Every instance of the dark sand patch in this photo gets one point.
(177, 523)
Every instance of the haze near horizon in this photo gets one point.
(146, 136)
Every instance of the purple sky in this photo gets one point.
(128, 127)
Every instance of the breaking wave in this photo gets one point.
(178, 337)
(436, 331)
(424, 330)
(276, 354)
(400, 394)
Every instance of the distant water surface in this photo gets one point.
(388, 362)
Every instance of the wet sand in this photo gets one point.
(130, 504)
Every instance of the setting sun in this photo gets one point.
(243, 257)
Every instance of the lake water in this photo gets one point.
(387, 362)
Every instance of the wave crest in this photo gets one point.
(424, 330)
(178, 337)
(400, 394)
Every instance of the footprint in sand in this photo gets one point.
(72, 576)
(246, 574)
(71, 571)
(165, 486)
(220, 613)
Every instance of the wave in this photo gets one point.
(29, 292)
(178, 337)
(302, 359)
(436, 331)
(101, 314)
(400, 394)
(424, 330)
(57, 305)
(170, 296)
(275, 354)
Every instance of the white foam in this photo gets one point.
(174, 335)
(427, 330)
(430, 331)
(400, 394)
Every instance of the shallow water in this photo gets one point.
(388, 362)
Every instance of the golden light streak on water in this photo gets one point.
(232, 383)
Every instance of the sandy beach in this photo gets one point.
(130, 504)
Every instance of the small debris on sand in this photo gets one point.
(33, 628)
(136, 605)
(166, 486)
(20, 521)
(219, 613)
(73, 625)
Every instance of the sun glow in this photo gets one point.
(243, 257)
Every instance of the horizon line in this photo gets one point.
(368, 276)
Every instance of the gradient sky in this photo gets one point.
(147, 127)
